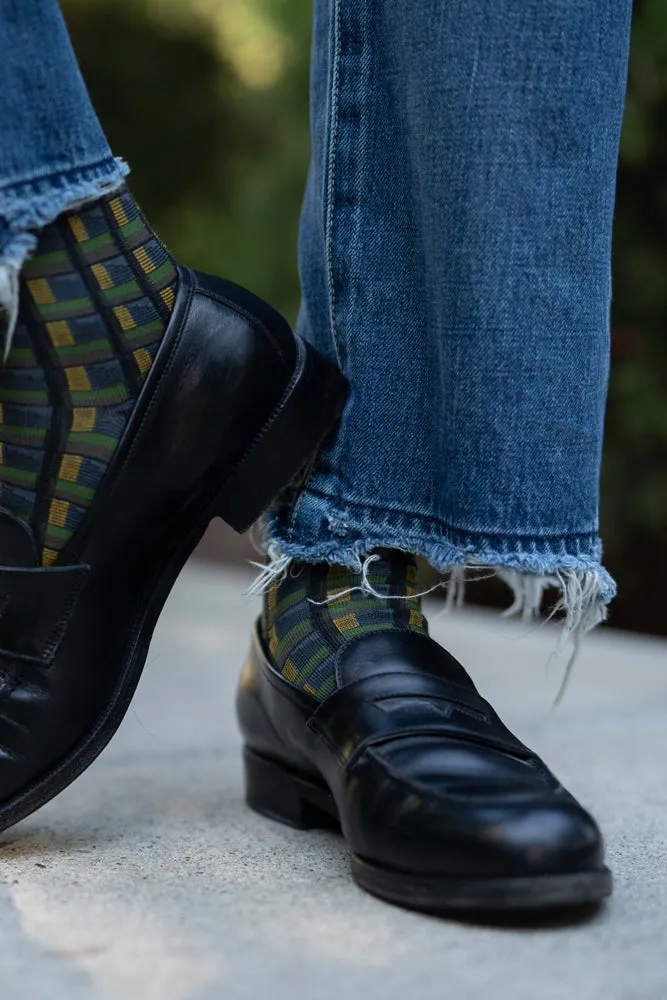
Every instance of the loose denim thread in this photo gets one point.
(275, 568)
(25, 217)
(15, 253)
(366, 587)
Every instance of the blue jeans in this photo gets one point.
(455, 261)
(53, 152)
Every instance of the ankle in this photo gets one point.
(317, 607)
(95, 301)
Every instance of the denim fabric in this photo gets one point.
(53, 152)
(455, 259)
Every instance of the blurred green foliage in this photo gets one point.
(208, 100)
(218, 163)
(634, 482)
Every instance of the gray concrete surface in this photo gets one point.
(149, 878)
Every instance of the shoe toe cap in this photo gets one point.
(471, 829)
(541, 837)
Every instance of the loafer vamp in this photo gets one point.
(440, 807)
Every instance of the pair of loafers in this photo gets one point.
(441, 806)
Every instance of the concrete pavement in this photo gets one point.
(150, 879)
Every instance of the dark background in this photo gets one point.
(208, 101)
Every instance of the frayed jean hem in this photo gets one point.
(345, 538)
(528, 564)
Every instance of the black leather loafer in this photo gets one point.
(441, 806)
(232, 408)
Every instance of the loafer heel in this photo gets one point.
(309, 410)
(274, 792)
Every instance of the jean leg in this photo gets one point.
(455, 258)
(53, 152)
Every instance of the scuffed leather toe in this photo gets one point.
(425, 827)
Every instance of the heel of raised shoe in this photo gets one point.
(310, 408)
(272, 791)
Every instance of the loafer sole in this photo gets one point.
(439, 894)
(276, 791)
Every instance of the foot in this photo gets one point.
(442, 807)
(228, 410)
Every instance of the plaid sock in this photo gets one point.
(303, 637)
(95, 301)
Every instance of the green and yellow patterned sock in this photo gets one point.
(95, 301)
(311, 613)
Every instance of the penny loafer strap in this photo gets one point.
(393, 705)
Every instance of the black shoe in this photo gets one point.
(441, 806)
(232, 408)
